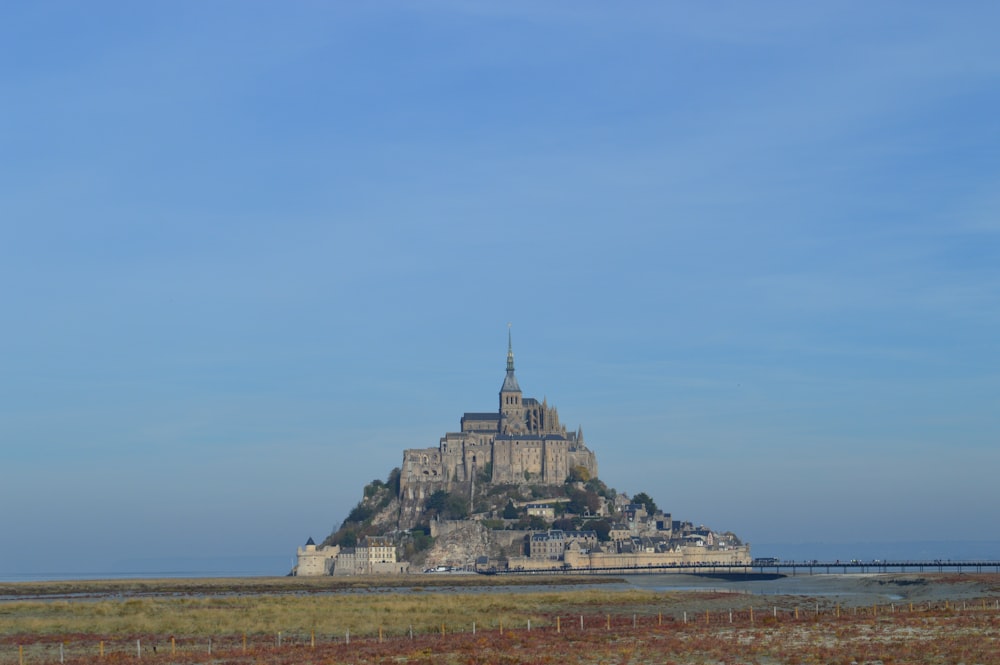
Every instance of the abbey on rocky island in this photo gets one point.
(534, 502)
(522, 442)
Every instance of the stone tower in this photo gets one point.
(511, 403)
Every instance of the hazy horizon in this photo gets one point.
(251, 252)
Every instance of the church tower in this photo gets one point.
(511, 406)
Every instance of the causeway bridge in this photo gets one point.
(862, 567)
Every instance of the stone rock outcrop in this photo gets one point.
(459, 543)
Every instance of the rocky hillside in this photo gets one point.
(375, 515)
(454, 528)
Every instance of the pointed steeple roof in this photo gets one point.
(510, 381)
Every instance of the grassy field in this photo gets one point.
(283, 621)
(331, 614)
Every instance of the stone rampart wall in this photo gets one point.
(687, 555)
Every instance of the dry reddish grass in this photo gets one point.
(935, 635)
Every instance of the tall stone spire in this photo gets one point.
(510, 352)
(510, 381)
(511, 407)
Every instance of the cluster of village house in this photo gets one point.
(657, 541)
(636, 539)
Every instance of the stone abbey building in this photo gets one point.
(522, 442)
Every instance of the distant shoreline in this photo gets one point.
(275, 584)
(852, 587)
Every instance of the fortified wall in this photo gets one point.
(583, 558)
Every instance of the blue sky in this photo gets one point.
(249, 252)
